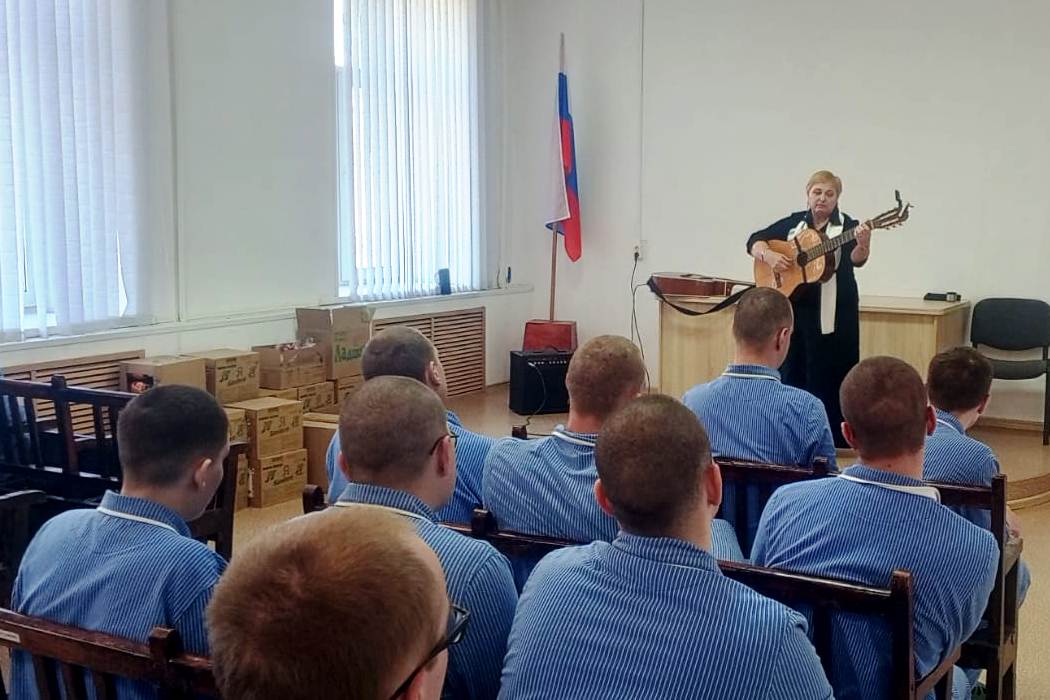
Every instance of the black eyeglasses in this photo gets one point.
(455, 631)
(450, 435)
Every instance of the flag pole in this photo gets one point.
(554, 268)
(554, 230)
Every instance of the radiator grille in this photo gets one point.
(459, 337)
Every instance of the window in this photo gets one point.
(72, 164)
(408, 146)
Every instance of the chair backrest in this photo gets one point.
(756, 482)
(1001, 612)
(1011, 324)
(313, 499)
(69, 660)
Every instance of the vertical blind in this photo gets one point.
(408, 146)
(71, 185)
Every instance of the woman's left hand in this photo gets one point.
(863, 235)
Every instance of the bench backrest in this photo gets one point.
(69, 660)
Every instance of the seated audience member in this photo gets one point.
(368, 595)
(405, 352)
(650, 615)
(879, 516)
(130, 565)
(959, 382)
(396, 443)
(546, 486)
(748, 413)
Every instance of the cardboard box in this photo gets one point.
(238, 431)
(346, 386)
(341, 334)
(318, 429)
(232, 375)
(286, 394)
(278, 478)
(317, 396)
(274, 426)
(285, 366)
(138, 376)
(244, 484)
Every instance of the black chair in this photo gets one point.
(1016, 324)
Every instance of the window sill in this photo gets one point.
(244, 319)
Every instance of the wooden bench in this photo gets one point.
(75, 470)
(994, 646)
(69, 660)
(754, 484)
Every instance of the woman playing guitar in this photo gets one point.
(825, 343)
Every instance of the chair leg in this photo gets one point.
(1046, 411)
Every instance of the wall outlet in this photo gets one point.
(641, 248)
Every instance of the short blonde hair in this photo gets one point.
(825, 177)
(356, 586)
(601, 371)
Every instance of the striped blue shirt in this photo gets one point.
(954, 457)
(546, 487)
(471, 450)
(645, 617)
(123, 569)
(478, 578)
(749, 414)
(861, 532)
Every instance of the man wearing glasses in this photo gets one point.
(650, 615)
(401, 457)
(390, 639)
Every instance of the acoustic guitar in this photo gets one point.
(812, 254)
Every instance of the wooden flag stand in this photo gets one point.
(545, 335)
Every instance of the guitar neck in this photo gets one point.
(832, 244)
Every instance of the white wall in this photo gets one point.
(740, 102)
(603, 61)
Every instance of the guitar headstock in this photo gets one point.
(893, 217)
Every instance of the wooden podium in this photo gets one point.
(695, 349)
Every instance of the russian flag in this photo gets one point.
(565, 204)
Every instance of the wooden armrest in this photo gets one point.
(926, 684)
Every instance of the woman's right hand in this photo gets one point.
(775, 260)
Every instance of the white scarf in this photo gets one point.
(828, 290)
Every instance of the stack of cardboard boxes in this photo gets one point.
(266, 393)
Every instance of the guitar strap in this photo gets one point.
(728, 301)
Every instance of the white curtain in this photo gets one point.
(73, 184)
(410, 193)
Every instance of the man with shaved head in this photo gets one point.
(366, 568)
(545, 487)
(748, 412)
(650, 614)
(401, 351)
(876, 517)
(397, 445)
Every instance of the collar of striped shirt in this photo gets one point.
(143, 511)
(751, 372)
(950, 421)
(452, 419)
(581, 439)
(666, 550)
(373, 495)
(895, 482)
